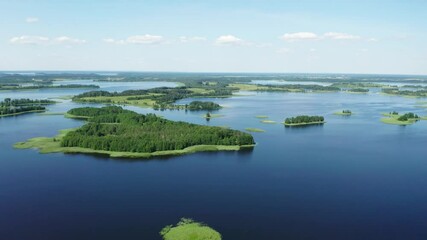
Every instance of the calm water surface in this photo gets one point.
(353, 178)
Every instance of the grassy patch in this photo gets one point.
(188, 229)
(51, 113)
(254, 130)
(213, 116)
(342, 114)
(393, 120)
(268, 121)
(261, 116)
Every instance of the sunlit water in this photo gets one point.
(353, 178)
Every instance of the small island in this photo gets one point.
(117, 132)
(187, 229)
(199, 105)
(254, 130)
(304, 120)
(344, 113)
(358, 90)
(12, 107)
(397, 119)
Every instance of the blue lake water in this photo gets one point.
(353, 178)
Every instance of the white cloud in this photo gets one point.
(34, 40)
(136, 39)
(312, 50)
(340, 36)
(145, 39)
(68, 40)
(32, 19)
(299, 36)
(185, 39)
(229, 40)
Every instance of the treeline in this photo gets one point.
(394, 91)
(15, 110)
(199, 105)
(408, 116)
(358, 90)
(16, 106)
(163, 97)
(115, 129)
(304, 119)
(298, 88)
(8, 102)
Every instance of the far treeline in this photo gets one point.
(163, 97)
(119, 130)
(304, 119)
(10, 107)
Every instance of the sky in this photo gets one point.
(300, 36)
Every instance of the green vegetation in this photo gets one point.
(123, 133)
(344, 113)
(405, 119)
(210, 115)
(261, 116)
(254, 130)
(358, 90)
(199, 105)
(187, 229)
(304, 120)
(357, 85)
(158, 98)
(406, 93)
(12, 107)
(284, 88)
(44, 86)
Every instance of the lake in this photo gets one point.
(352, 178)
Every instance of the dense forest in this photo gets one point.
(15, 106)
(116, 129)
(163, 97)
(408, 116)
(395, 91)
(8, 102)
(199, 105)
(304, 119)
(358, 90)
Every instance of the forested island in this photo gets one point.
(122, 133)
(12, 107)
(344, 113)
(406, 93)
(200, 105)
(397, 119)
(304, 120)
(358, 90)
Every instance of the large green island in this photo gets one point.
(304, 121)
(117, 132)
(397, 119)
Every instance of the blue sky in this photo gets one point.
(215, 36)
